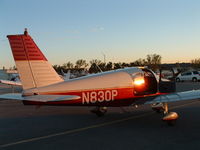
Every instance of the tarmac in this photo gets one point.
(73, 128)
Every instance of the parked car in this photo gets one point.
(188, 76)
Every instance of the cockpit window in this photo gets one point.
(148, 74)
(137, 74)
(145, 84)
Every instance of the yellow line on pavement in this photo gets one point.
(87, 128)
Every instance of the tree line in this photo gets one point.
(152, 60)
(195, 63)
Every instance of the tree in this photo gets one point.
(109, 66)
(125, 65)
(153, 61)
(117, 65)
(95, 61)
(96, 66)
(102, 66)
(57, 68)
(195, 63)
(68, 65)
(138, 62)
(81, 64)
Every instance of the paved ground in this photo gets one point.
(26, 127)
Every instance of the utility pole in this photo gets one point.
(104, 58)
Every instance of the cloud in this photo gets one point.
(73, 31)
(97, 29)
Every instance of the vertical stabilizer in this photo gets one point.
(34, 69)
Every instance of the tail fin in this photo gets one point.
(34, 69)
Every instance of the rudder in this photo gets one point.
(33, 67)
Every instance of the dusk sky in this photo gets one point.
(124, 30)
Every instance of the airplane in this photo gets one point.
(16, 81)
(66, 76)
(132, 86)
(9, 82)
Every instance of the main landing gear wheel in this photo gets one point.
(178, 80)
(169, 117)
(194, 79)
(99, 111)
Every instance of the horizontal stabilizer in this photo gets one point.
(179, 96)
(39, 98)
(8, 82)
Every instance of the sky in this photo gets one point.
(122, 30)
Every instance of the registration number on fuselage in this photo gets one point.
(98, 96)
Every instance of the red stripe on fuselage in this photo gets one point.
(101, 97)
(24, 48)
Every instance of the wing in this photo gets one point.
(179, 96)
(39, 98)
(7, 82)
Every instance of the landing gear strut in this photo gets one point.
(169, 117)
(99, 111)
(157, 107)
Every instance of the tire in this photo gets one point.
(194, 79)
(178, 80)
(99, 111)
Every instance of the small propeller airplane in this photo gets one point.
(117, 88)
(10, 82)
(16, 81)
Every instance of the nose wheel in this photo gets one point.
(169, 117)
(99, 111)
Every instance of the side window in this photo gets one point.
(195, 72)
(188, 73)
(137, 74)
(166, 75)
(183, 74)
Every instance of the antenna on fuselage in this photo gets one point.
(98, 67)
(25, 31)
